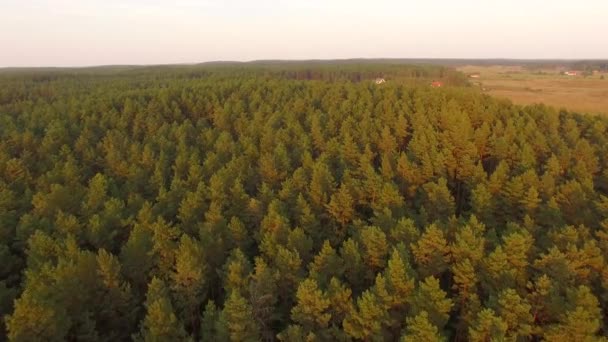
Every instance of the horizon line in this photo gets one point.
(279, 60)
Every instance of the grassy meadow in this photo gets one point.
(527, 86)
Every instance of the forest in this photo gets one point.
(296, 202)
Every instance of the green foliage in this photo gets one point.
(431, 252)
(236, 320)
(310, 310)
(297, 202)
(488, 327)
(160, 322)
(365, 322)
(430, 298)
(419, 328)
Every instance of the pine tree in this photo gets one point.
(239, 235)
(431, 252)
(515, 312)
(263, 296)
(307, 220)
(530, 201)
(33, 320)
(295, 333)
(340, 301)
(236, 273)
(375, 248)
(487, 327)
(432, 299)
(365, 322)
(419, 328)
(469, 243)
(325, 265)
(400, 283)
(482, 204)
(289, 266)
(236, 320)
(582, 321)
(404, 231)
(341, 206)
(467, 302)
(116, 304)
(508, 264)
(438, 200)
(188, 279)
(321, 185)
(209, 323)
(165, 242)
(353, 264)
(299, 241)
(312, 306)
(96, 194)
(136, 256)
(160, 323)
(191, 208)
(387, 143)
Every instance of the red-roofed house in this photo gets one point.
(437, 84)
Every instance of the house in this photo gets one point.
(380, 80)
(570, 73)
(474, 75)
(437, 84)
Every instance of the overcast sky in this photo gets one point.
(99, 32)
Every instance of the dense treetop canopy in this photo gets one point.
(296, 202)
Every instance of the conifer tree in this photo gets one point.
(487, 327)
(515, 312)
(236, 320)
(188, 279)
(341, 206)
(160, 323)
(400, 283)
(438, 202)
(419, 328)
(263, 296)
(209, 323)
(365, 322)
(325, 265)
(353, 263)
(430, 298)
(32, 320)
(375, 248)
(431, 252)
(236, 273)
(311, 308)
(340, 301)
(582, 321)
(116, 309)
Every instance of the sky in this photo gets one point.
(103, 32)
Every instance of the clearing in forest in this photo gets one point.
(551, 86)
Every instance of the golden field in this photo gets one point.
(525, 86)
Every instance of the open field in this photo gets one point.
(526, 86)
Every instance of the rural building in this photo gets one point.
(474, 75)
(571, 73)
(380, 80)
(437, 84)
